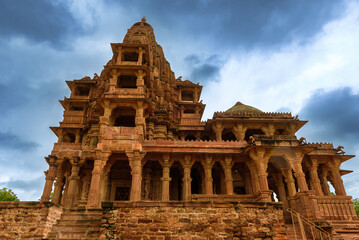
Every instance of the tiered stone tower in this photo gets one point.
(132, 138)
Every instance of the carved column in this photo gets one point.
(119, 55)
(94, 192)
(146, 183)
(296, 163)
(78, 136)
(324, 181)
(261, 159)
(315, 181)
(50, 177)
(289, 180)
(59, 184)
(187, 164)
(227, 166)
(135, 160)
(218, 128)
(338, 185)
(73, 182)
(247, 183)
(281, 190)
(207, 165)
(60, 135)
(140, 81)
(140, 55)
(254, 176)
(166, 165)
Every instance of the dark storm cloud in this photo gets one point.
(25, 185)
(240, 23)
(203, 69)
(40, 20)
(10, 141)
(333, 117)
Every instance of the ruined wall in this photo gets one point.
(192, 220)
(27, 220)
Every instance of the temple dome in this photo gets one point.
(241, 108)
(140, 32)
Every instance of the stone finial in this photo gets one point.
(143, 19)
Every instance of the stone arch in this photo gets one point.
(176, 175)
(197, 175)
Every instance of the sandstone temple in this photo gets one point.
(134, 160)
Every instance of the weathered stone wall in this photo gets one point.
(27, 220)
(192, 220)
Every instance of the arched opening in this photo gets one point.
(127, 81)
(219, 186)
(227, 135)
(241, 179)
(190, 137)
(176, 174)
(123, 117)
(251, 132)
(151, 181)
(62, 181)
(69, 138)
(197, 175)
(119, 179)
(189, 111)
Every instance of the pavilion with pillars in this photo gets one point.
(135, 133)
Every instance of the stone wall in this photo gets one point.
(27, 220)
(192, 220)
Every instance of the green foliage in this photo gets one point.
(8, 195)
(356, 205)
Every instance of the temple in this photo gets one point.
(132, 138)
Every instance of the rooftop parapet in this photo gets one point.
(253, 114)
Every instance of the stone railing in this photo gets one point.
(223, 197)
(336, 207)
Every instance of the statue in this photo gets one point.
(339, 150)
(302, 141)
(252, 141)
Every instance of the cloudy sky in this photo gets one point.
(280, 55)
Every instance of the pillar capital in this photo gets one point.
(217, 127)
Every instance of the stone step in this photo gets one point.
(75, 216)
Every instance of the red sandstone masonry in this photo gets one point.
(27, 220)
(192, 220)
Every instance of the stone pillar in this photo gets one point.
(254, 177)
(140, 56)
(94, 192)
(289, 180)
(59, 184)
(324, 181)
(296, 163)
(60, 135)
(119, 55)
(227, 166)
(218, 128)
(140, 120)
(282, 195)
(50, 177)
(338, 185)
(315, 181)
(73, 182)
(261, 159)
(166, 165)
(78, 136)
(207, 165)
(135, 160)
(140, 81)
(187, 165)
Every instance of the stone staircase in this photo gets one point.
(77, 224)
(346, 229)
